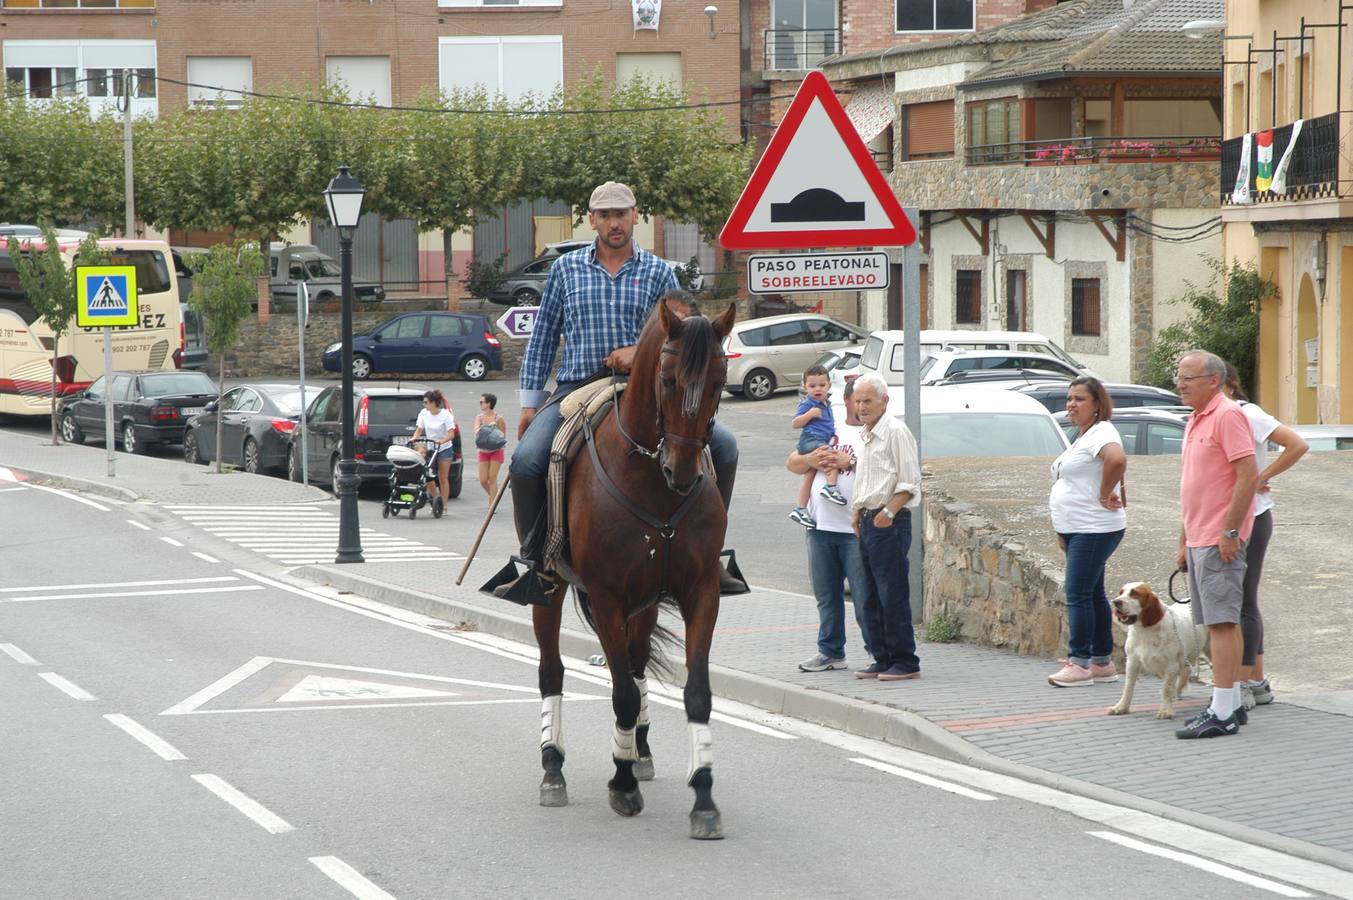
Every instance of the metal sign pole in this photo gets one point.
(302, 320)
(108, 399)
(911, 393)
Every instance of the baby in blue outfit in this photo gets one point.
(817, 429)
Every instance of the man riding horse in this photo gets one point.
(598, 299)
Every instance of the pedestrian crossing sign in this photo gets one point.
(107, 296)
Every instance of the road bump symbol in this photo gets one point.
(817, 205)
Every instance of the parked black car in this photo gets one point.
(419, 343)
(1052, 394)
(384, 416)
(148, 408)
(257, 421)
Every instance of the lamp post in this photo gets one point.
(344, 196)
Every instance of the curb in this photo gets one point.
(72, 483)
(900, 728)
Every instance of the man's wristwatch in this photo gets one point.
(1231, 533)
(889, 513)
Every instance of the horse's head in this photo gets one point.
(691, 375)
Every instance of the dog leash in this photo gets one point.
(1171, 587)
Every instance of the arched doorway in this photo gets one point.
(1307, 330)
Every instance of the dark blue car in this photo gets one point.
(423, 343)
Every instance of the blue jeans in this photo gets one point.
(1088, 616)
(883, 551)
(832, 557)
(531, 458)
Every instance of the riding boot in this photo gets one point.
(731, 580)
(532, 587)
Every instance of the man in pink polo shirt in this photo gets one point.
(1216, 491)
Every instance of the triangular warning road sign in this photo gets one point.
(816, 185)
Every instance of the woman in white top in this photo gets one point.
(1087, 504)
(1254, 686)
(437, 424)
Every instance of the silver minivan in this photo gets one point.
(771, 353)
(291, 264)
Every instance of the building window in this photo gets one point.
(656, 68)
(45, 70)
(968, 297)
(994, 130)
(935, 15)
(929, 130)
(450, 4)
(219, 79)
(78, 4)
(365, 78)
(1085, 307)
(804, 32)
(511, 67)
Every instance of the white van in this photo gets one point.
(883, 350)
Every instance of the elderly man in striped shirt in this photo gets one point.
(598, 299)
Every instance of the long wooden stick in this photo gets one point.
(498, 498)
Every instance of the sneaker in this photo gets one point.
(1242, 716)
(1263, 692)
(873, 670)
(1071, 675)
(897, 673)
(1247, 699)
(1206, 725)
(822, 663)
(1103, 674)
(833, 493)
(802, 517)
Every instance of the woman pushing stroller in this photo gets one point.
(437, 424)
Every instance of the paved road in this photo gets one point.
(221, 734)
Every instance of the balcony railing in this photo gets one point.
(790, 49)
(1312, 172)
(1082, 151)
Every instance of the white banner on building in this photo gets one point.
(1241, 194)
(1279, 185)
(646, 13)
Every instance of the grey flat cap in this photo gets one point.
(612, 195)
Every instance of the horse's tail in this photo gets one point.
(583, 604)
(659, 641)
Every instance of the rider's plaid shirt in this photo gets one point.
(594, 312)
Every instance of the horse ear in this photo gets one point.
(670, 319)
(724, 324)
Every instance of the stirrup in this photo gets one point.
(731, 579)
(528, 588)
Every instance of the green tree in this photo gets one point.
(223, 292)
(57, 164)
(50, 284)
(1226, 324)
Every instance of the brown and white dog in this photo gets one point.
(1161, 640)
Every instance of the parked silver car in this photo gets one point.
(770, 354)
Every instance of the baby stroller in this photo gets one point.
(409, 480)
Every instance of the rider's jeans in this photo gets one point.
(531, 458)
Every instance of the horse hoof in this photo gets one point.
(706, 825)
(627, 803)
(553, 792)
(643, 769)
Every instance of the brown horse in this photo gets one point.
(646, 525)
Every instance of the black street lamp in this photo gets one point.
(344, 196)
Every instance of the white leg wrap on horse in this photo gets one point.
(702, 748)
(552, 722)
(623, 745)
(643, 700)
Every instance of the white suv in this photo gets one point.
(954, 365)
(771, 353)
(883, 350)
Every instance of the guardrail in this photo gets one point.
(791, 49)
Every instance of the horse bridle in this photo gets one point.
(663, 435)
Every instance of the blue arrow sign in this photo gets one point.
(519, 321)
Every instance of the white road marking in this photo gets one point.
(171, 542)
(205, 557)
(111, 584)
(10, 490)
(175, 592)
(190, 508)
(923, 779)
(18, 655)
(261, 815)
(158, 745)
(1197, 862)
(139, 525)
(219, 686)
(314, 688)
(304, 537)
(69, 496)
(349, 879)
(331, 706)
(70, 689)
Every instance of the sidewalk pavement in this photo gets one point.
(1282, 783)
